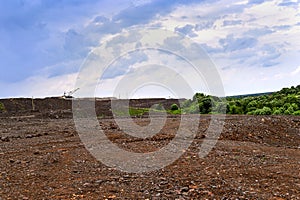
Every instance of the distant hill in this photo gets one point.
(250, 95)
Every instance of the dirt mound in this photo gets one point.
(56, 107)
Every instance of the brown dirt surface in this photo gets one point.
(257, 157)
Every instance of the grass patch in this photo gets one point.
(174, 112)
(138, 111)
(133, 112)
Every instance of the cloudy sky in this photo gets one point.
(254, 44)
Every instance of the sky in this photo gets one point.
(254, 44)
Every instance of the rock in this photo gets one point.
(37, 152)
(111, 196)
(29, 136)
(5, 139)
(184, 189)
(87, 185)
(99, 181)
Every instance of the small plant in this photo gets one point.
(175, 112)
(2, 108)
(174, 106)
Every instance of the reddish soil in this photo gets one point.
(257, 157)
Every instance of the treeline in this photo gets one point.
(284, 102)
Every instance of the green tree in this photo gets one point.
(263, 111)
(205, 106)
(289, 111)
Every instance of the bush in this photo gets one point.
(2, 108)
(277, 112)
(286, 101)
(250, 113)
(296, 112)
(263, 111)
(174, 106)
(289, 111)
(192, 109)
(187, 103)
(220, 107)
(175, 112)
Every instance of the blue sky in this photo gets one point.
(254, 44)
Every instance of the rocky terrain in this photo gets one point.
(42, 157)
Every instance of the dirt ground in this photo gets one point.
(257, 157)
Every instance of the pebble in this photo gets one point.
(184, 189)
(86, 184)
(5, 139)
(99, 181)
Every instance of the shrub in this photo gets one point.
(250, 113)
(192, 109)
(175, 112)
(289, 111)
(263, 111)
(174, 106)
(296, 112)
(220, 107)
(277, 112)
(2, 108)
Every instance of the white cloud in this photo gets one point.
(256, 80)
(254, 43)
(296, 72)
(40, 86)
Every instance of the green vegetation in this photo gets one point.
(137, 112)
(205, 104)
(174, 107)
(132, 112)
(2, 108)
(174, 112)
(283, 102)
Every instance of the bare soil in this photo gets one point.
(256, 157)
